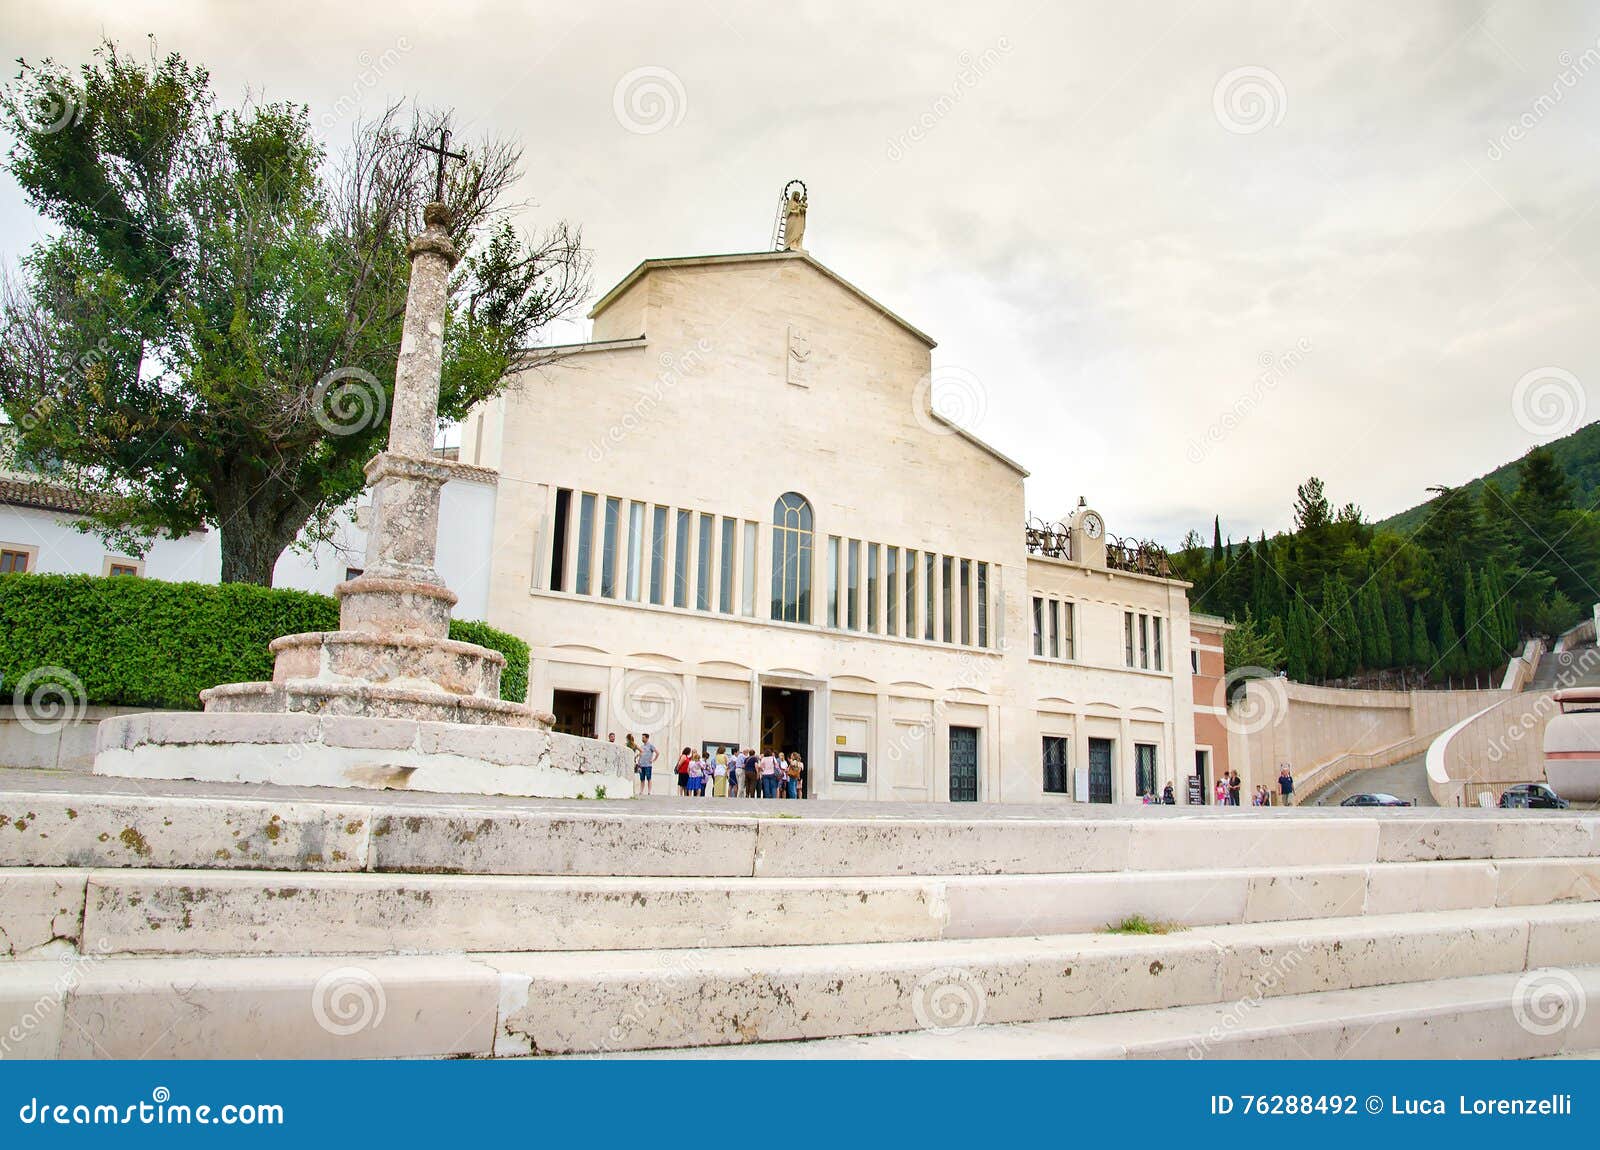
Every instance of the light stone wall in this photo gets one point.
(466, 518)
(1279, 721)
(701, 416)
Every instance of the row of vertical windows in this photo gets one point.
(874, 587)
(633, 553)
(620, 552)
(1053, 628)
(1141, 639)
(1057, 756)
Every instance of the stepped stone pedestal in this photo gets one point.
(389, 699)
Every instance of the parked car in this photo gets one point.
(1535, 795)
(1375, 799)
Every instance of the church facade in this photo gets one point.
(733, 518)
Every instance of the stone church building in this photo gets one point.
(750, 528)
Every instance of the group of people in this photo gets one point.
(723, 773)
(1229, 788)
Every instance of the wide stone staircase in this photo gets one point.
(247, 923)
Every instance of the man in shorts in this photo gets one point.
(647, 760)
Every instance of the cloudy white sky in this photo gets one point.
(1110, 215)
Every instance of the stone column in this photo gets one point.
(405, 478)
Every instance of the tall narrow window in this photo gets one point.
(608, 550)
(946, 586)
(1156, 626)
(1144, 768)
(1066, 630)
(636, 550)
(1055, 629)
(558, 539)
(585, 543)
(911, 594)
(747, 604)
(1038, 626)
(930, 579)
(729, 542)
(891, 589)
(702, 583)
(872, 587)
(852, 584)
(658, 556)
(680, 561)
(1144, 641)
(791, 558)
(966, 602)
(1127, 634)
(983, 604)
(833, 580)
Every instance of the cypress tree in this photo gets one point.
(1399, 632)
(1299, 644)
(1216, 541)
(1473, 638)
(1422, 653)
(1452, 655)
(1377, 628)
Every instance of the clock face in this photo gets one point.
(1092, 527)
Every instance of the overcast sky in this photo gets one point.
(1177, 256)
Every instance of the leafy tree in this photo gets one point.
(209, 338)
(1249, 645)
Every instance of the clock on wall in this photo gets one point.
(1092, 526)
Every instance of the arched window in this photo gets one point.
(791, 558)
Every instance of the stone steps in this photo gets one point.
(222, 912)
(344, 834)
(587, 1003)
(85, 1005)
(1485, 1016)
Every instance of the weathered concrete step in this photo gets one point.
(147, 911)
(100, 830)
(385, 1006)
(597, 1003)
(1533, 1014)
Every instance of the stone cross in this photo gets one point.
(442, 150)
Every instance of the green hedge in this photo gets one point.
(147, 643)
